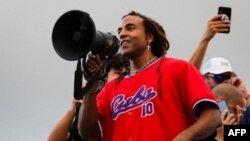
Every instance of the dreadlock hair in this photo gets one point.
(160, 44)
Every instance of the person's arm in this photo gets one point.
(205, 125)
(60, 131)
(214, 26)
(88, 126)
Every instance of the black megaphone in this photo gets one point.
(74, 35)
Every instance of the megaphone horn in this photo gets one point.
(74, 35)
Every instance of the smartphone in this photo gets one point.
(227, 11)
(222, 106)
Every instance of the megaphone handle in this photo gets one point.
(78, 81)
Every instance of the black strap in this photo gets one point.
(73, 130)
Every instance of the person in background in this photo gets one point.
(144, 103)
(61, 130)
(216, 25)
(247, 100)
(239, 83)
(216, 70)
(219, 76)
(235, 106)
(117, 65)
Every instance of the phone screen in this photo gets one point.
(227, 11)
(222, 106)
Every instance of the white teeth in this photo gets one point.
(124, 42)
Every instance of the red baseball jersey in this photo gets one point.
(155, 104)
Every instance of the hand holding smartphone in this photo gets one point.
(227, 15)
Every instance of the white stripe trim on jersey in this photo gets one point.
(203, 100)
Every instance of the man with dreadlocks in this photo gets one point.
(159, 98)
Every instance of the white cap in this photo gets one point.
(217, 65)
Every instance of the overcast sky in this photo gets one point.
(36, 85)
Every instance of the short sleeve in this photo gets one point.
(198, 94)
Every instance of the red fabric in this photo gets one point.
(134, 109)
